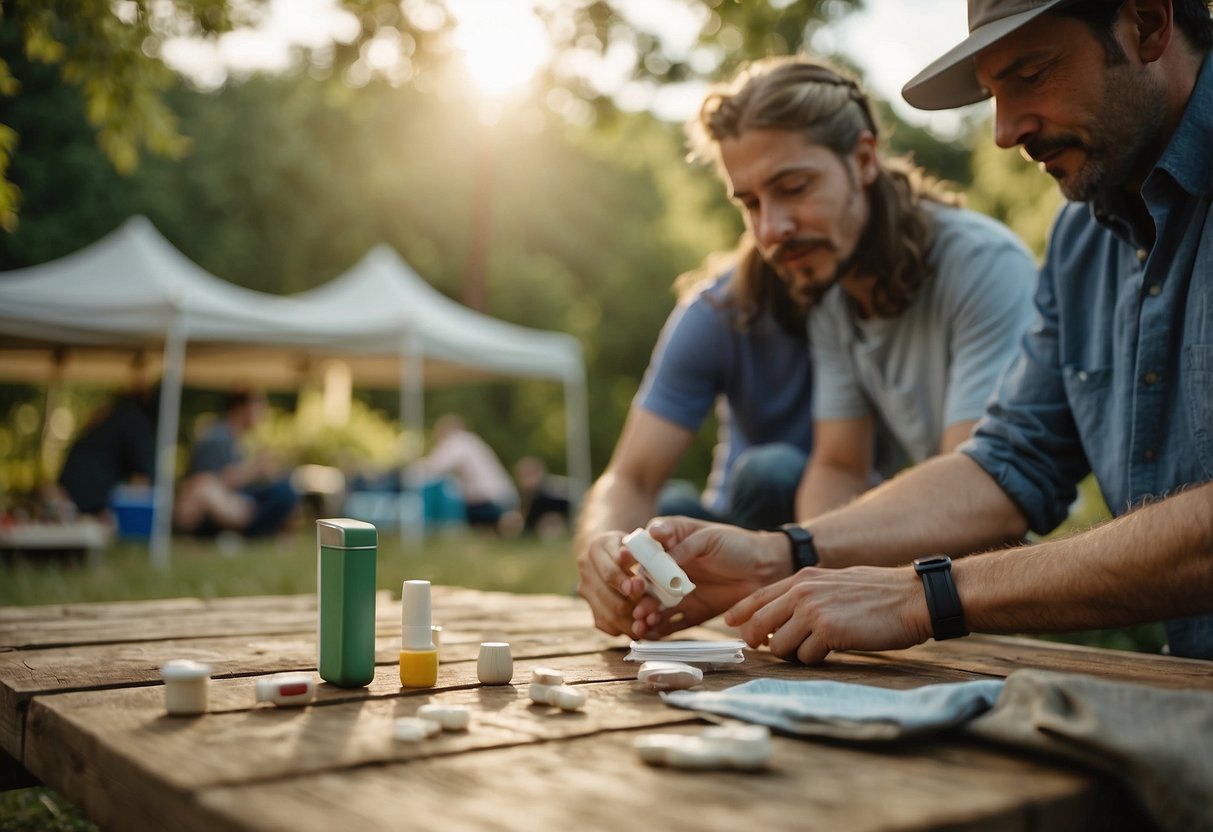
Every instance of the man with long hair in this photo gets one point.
(1114, 99)
(913, 305)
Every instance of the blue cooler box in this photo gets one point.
(132, 509)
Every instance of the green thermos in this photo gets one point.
(345, 589)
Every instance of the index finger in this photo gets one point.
(743, 610)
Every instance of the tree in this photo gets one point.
(729, 33)
(111, 51)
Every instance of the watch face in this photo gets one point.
(931, 563)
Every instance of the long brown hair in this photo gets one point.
(831, 110)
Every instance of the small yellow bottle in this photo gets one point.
(418, 656)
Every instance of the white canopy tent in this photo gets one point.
(85, 316)
(440, 340)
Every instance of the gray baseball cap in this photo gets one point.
(951, 81)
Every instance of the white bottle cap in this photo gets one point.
(415, 617)
(185, 669)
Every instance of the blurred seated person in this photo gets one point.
(486, 486)
(545, 498)
(115, 447)
(226, 489)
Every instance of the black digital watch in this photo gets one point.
(943, 604)
(804, 550)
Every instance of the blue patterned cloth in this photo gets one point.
(845, 710)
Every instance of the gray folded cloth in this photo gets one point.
(846, 711)
(1158, 743)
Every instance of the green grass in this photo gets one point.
(198, 569)
(284, 567)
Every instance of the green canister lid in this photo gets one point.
(344, 533)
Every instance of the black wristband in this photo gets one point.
(943, 603)
(804, 550)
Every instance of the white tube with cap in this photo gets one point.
(286, 689)
(418, 656)
(663, 577)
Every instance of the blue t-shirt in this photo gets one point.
(216, 449)
(761, 381)
(1116, 375)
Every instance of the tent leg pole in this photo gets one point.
(412, 417)
(166, 445)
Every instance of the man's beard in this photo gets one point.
(808, 296)
(1131, 115)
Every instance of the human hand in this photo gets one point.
(606, 581)
(815, 611)
(726, 563)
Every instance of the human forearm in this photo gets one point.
(1154, 563)
(946, 505)
(615, 503)
(826, 487)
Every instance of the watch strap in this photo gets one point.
(804, 550)
(943, 602)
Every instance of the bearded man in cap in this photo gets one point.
(1114, 99)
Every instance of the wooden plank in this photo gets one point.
(348, 727)
(456, 598)
(271, 743)
(598, 783)
(99, 609)
(1000, 656)
(29, 673)
(77, 624)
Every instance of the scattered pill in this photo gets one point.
(669, 675)
(414, 729)
(448, 717)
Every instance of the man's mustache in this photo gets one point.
(791, 249)
(1039, 148)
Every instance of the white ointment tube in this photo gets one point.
(418, 655)
(286, 689)
(663, 577)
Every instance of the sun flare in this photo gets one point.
(502, 41)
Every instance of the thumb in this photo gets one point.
(670, 531)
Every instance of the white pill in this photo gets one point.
(695, 755)
(566, 698)
(414, 729)
(669, 675)
(448, 717)
(547, 676)
(654, 748)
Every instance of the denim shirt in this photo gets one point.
(1116, 374)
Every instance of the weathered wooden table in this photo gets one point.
(82, 709)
